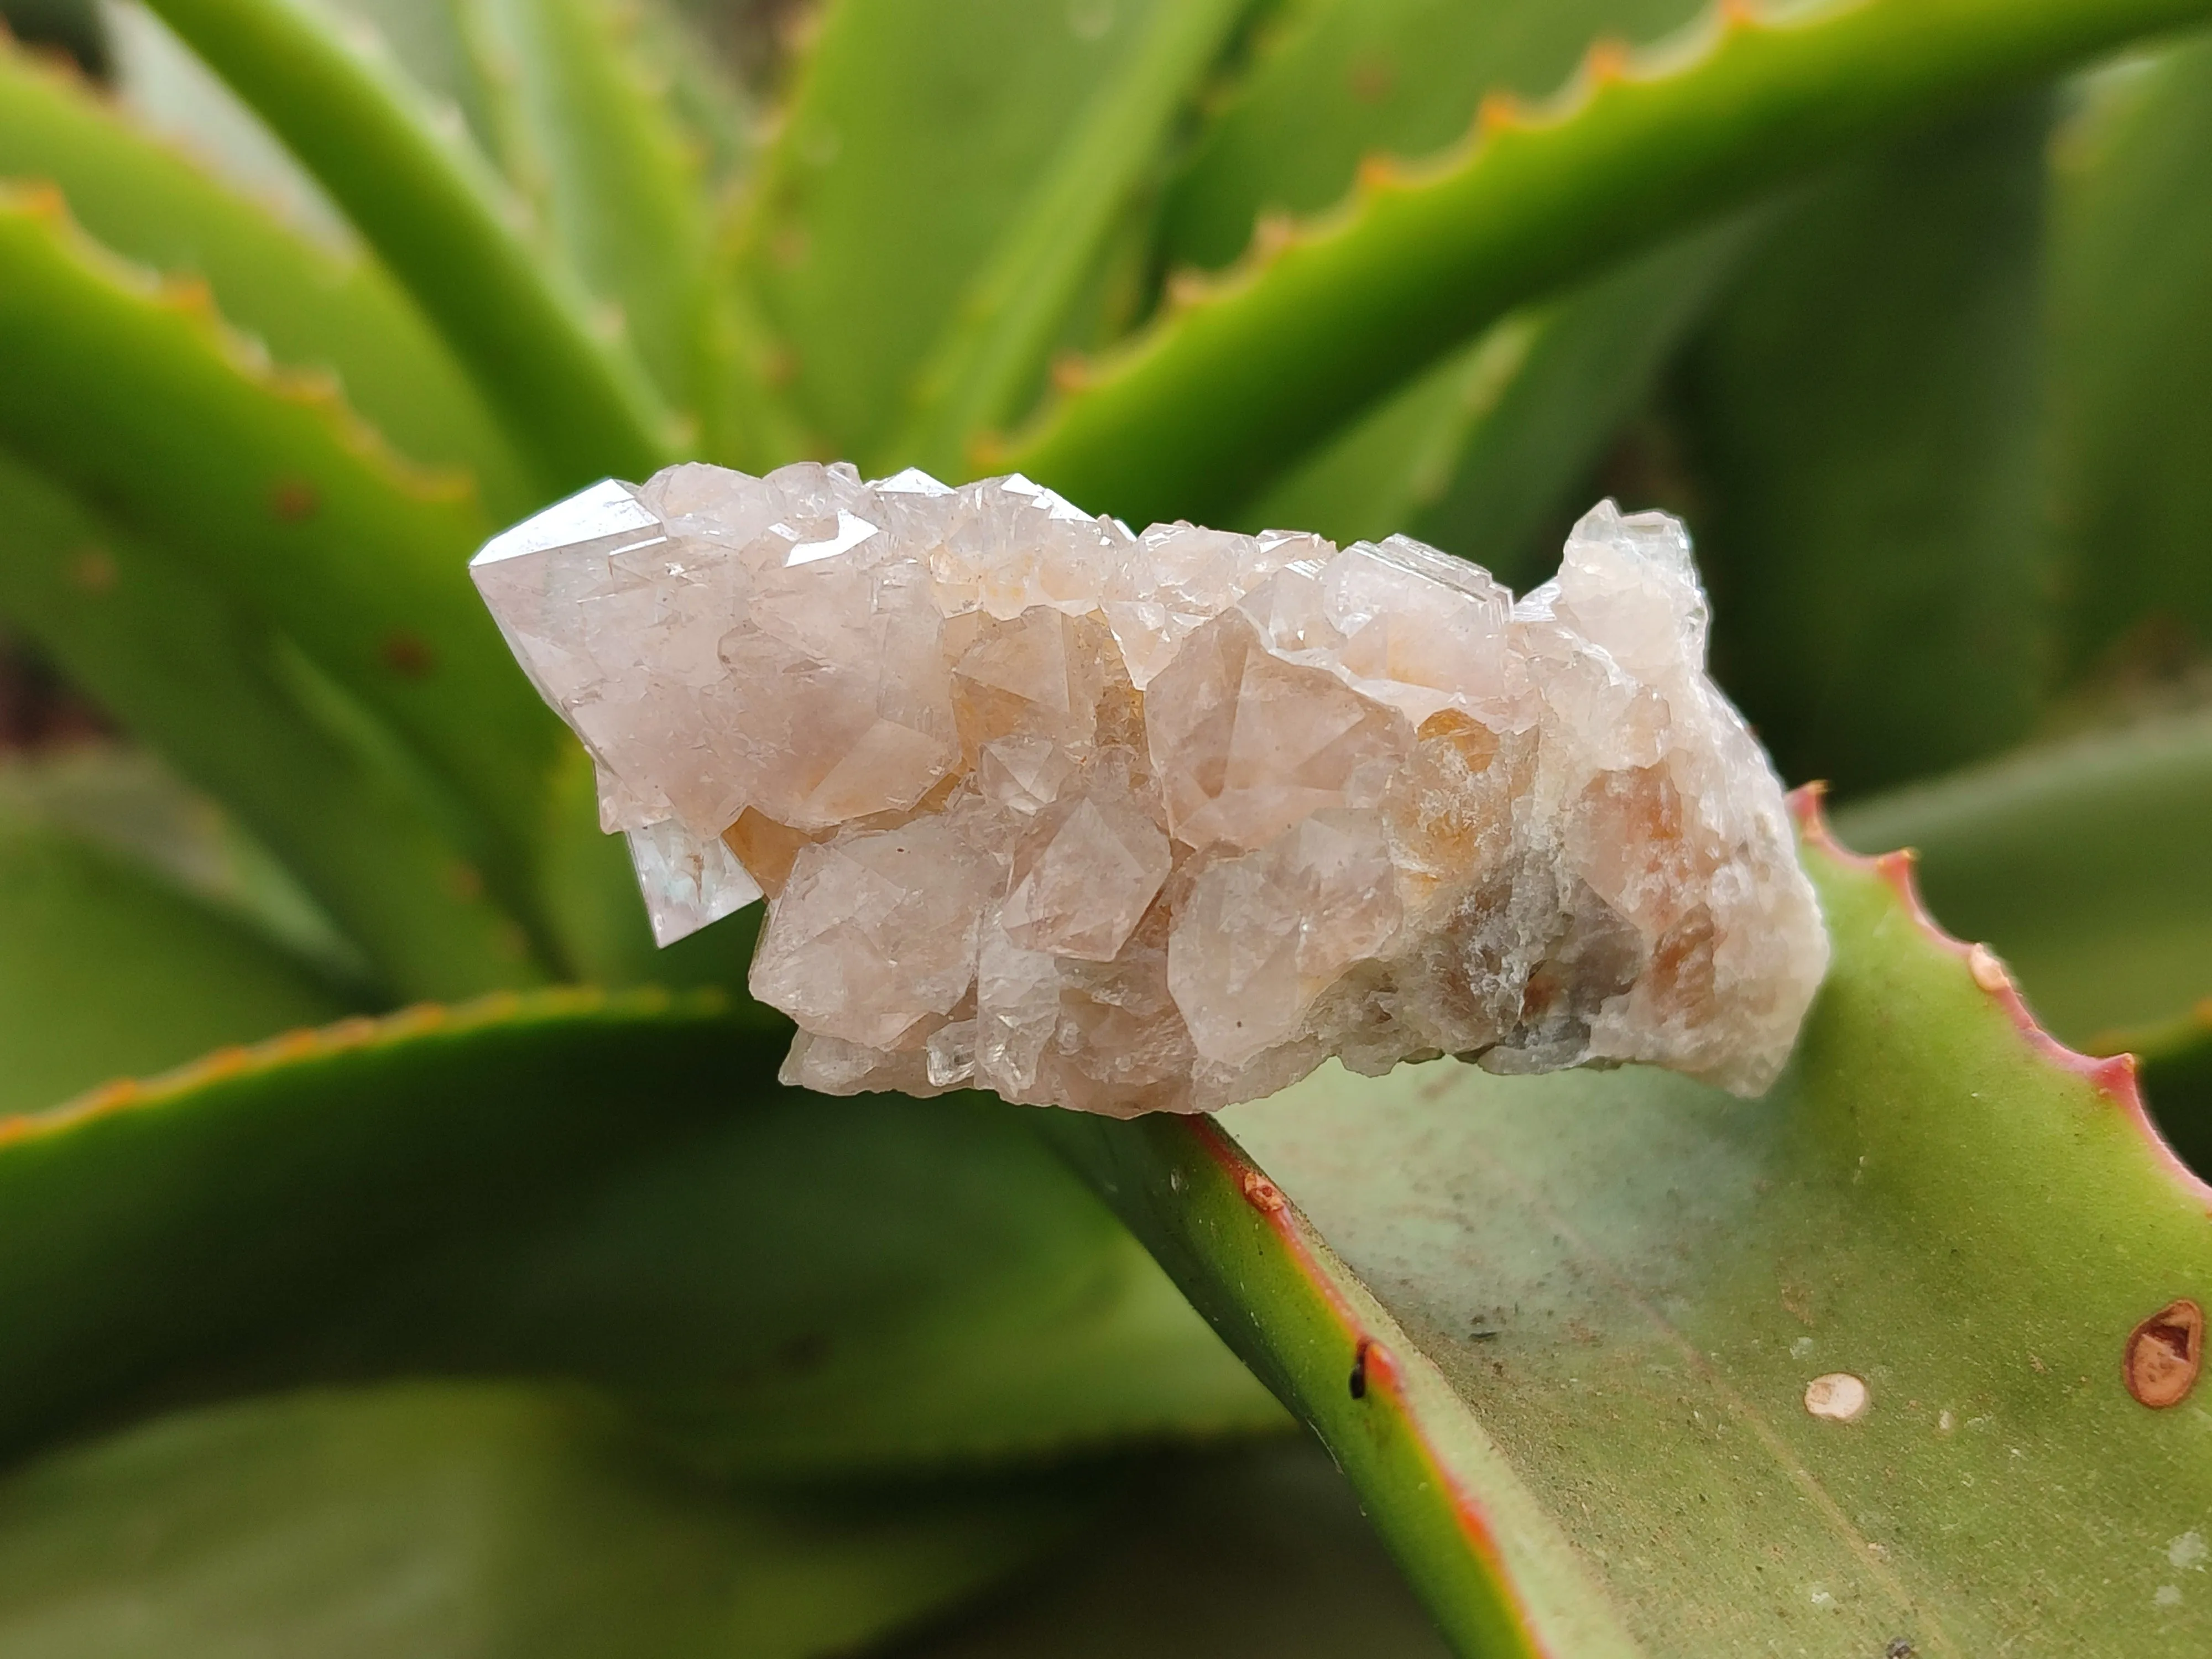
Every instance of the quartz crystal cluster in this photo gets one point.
(1133, 823)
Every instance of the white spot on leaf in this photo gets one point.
(1837, 1397)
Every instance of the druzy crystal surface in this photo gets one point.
(1131, 823)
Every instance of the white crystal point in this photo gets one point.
(1160, 822)
(687, 883)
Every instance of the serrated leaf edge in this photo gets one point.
(241, 352)
(1606, 64)
(60, 69)
(2115, 1076)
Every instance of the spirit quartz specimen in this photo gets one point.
(1160, 822)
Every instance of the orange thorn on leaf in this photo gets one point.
(1272, 233)
(1607, 61)
(1071, 371)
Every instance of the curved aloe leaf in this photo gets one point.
(1192, 416)
(567, 1185)
(2131, 349)
(126, 801)
(988, 363)
(677, 49)
(1863, 426)
(1257, 1551)
(428, 41)
(430, 1518)
(104, 967)
(813, 1289)
(597, 151)
(575, 403)
(2081, 862)
(165, 88)
(1336, 80)
(218, 694)
(135, 397)
(311, 308)
(1560, 1332)
(913, 145)
(208, 686)
(1479, 454)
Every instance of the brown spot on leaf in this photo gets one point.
(788, 247)
(1373, 79)
(2164, 1354)
(1359, 1369)
(293, 500)
(1798, 1301)
(407, 655)
(93, 570)
(1262, 1194)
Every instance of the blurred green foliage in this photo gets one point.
(544, 1321)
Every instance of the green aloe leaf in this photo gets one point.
(126, 801)
(105, 969)
(1195, 414)
(937, 1291)
(423, 199)
(1562, 1332)
(493, 1521)
(1864, 436)
(2131, 348)
(1478, 454)
(215, 692)
(1259, 1553)
(990, 361)
(311, 308)
(164, 89)
(134, 397)
(914, 149)
(429, 41)
(566, 1186)
(1335, 81)
(617, 189)
(2081, 862)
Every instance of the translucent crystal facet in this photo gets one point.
(1160, 822)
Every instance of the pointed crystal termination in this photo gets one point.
(1151, 823)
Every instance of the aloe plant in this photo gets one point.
(398, 1254)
